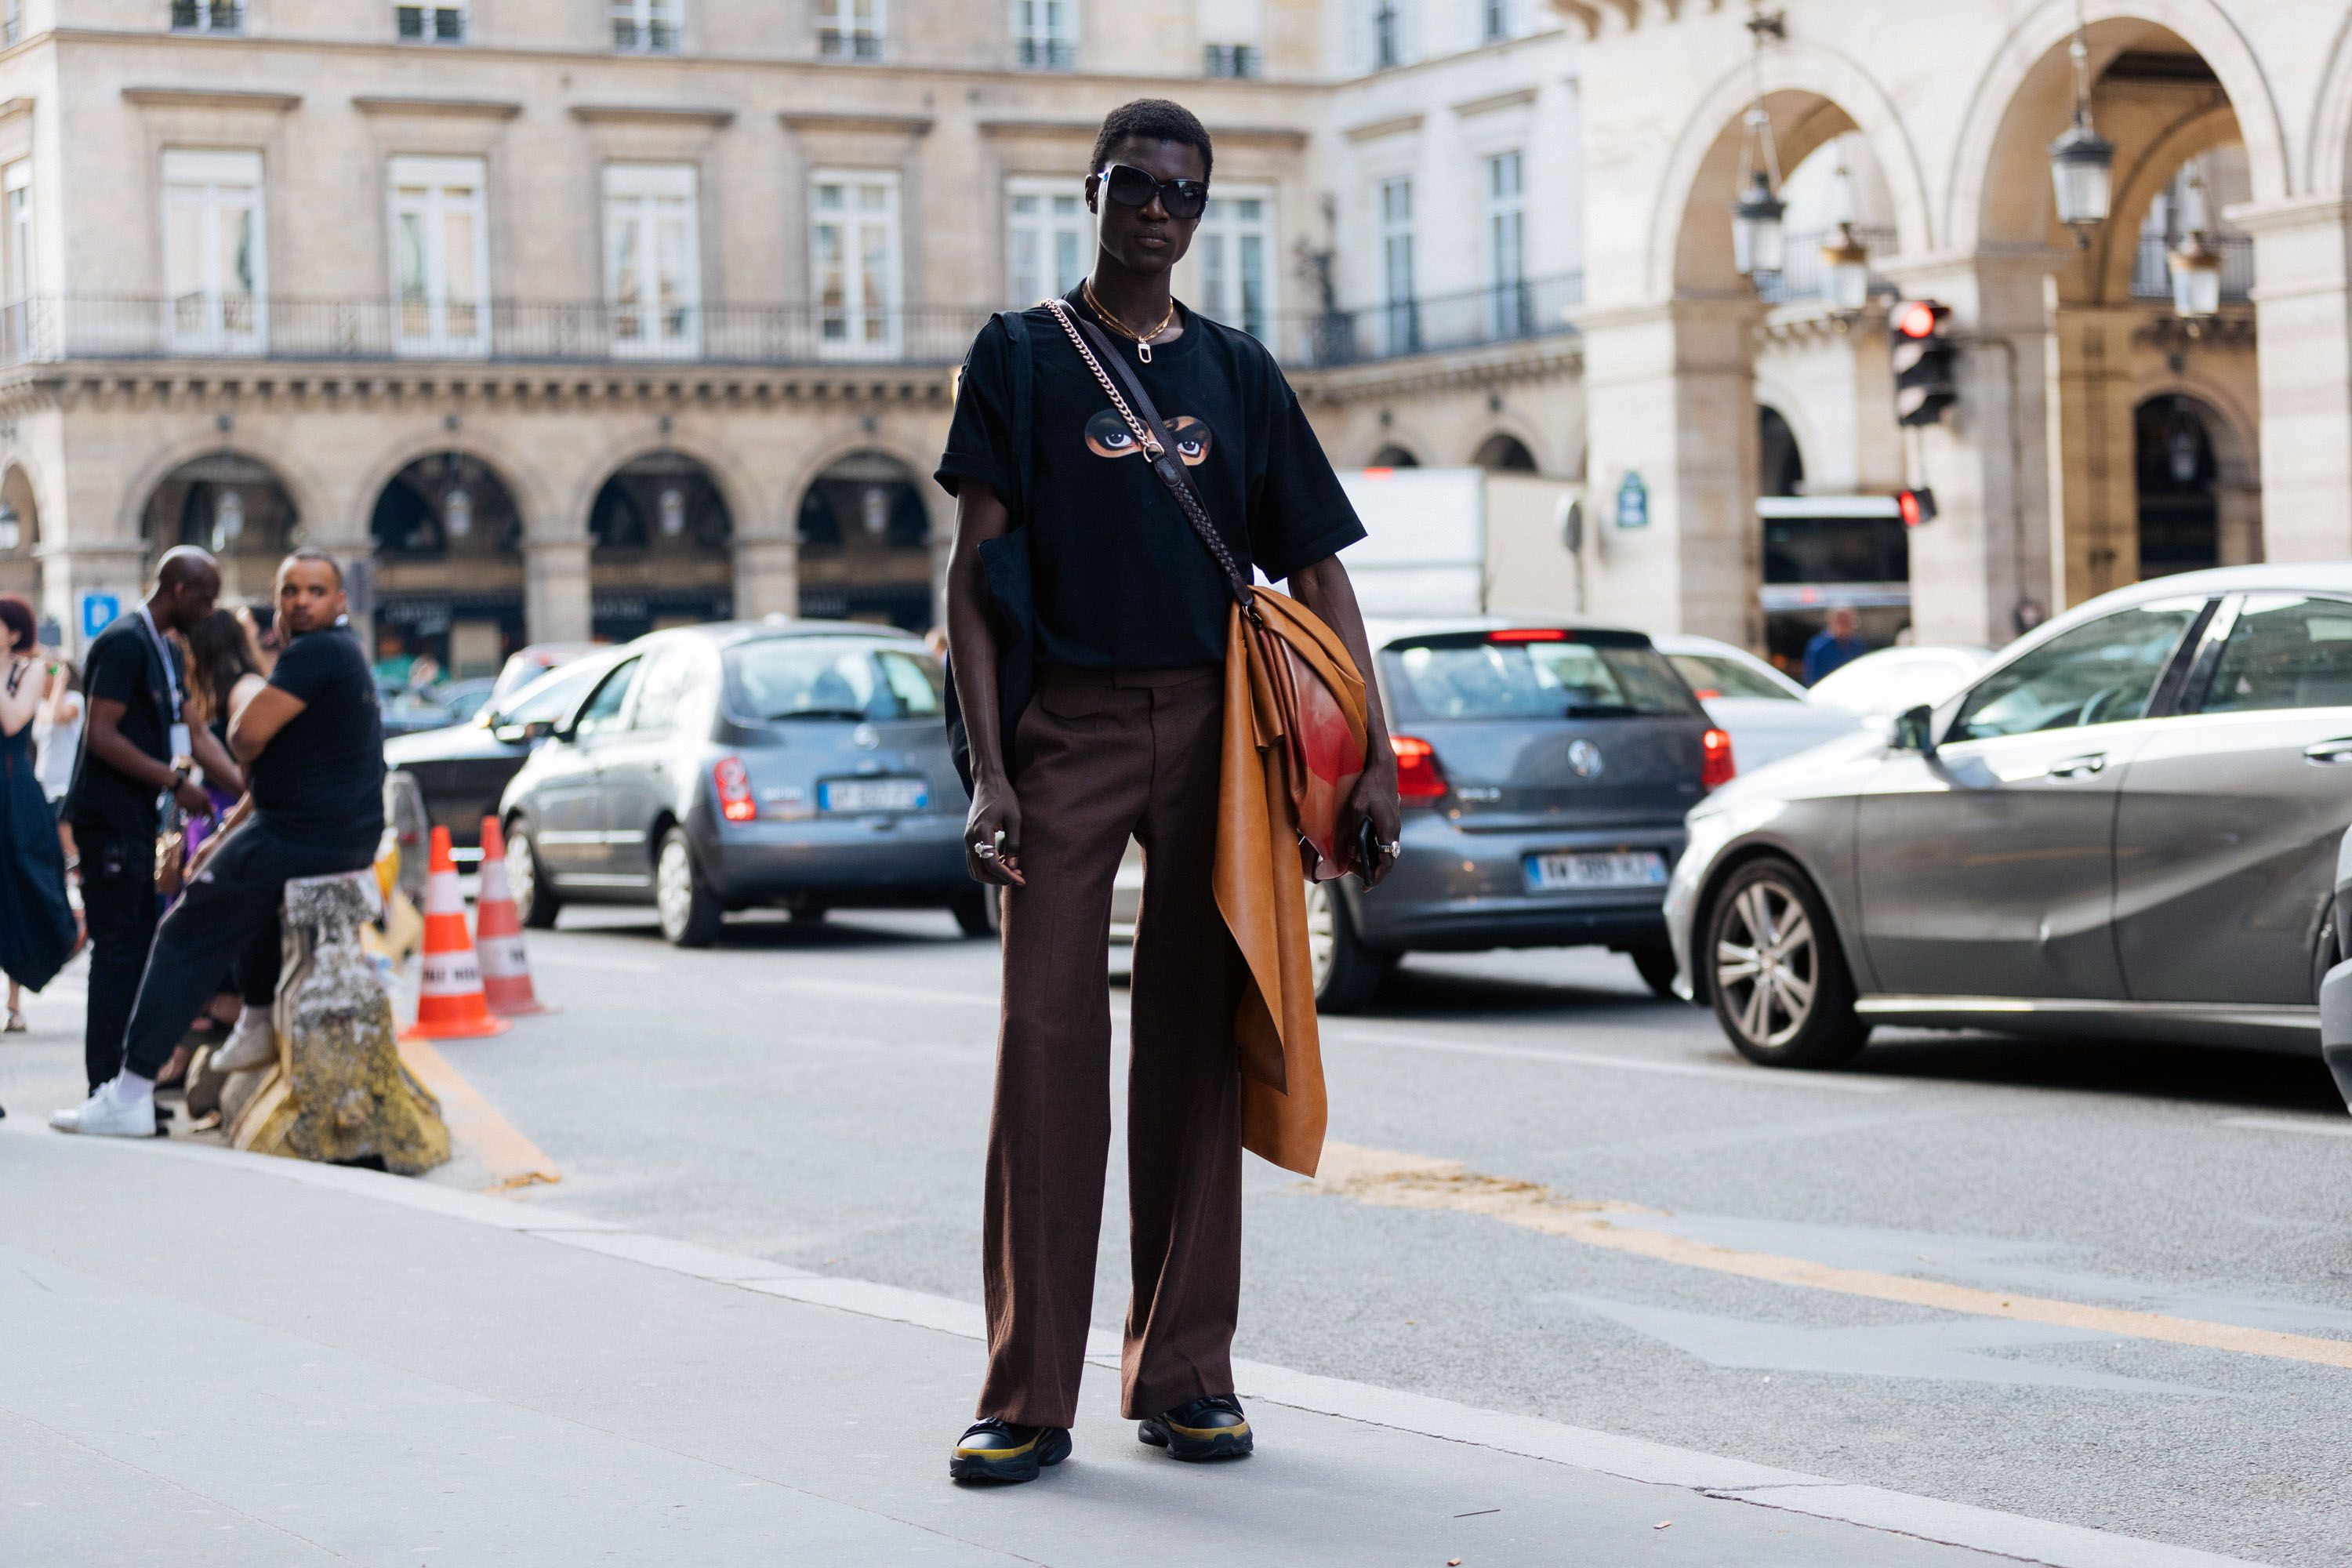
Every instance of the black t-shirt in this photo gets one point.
(1121, 580)
(123, 665)
(320, 778)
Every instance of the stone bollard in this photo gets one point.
(340, 1093)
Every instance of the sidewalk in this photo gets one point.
(211, 1358)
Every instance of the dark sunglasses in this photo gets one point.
(1132, 187)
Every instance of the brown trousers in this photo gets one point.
(1097, 757)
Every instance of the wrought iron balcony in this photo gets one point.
(1430, 323)
(2152, 269)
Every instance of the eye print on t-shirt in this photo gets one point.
(1109, 437)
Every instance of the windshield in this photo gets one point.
(548, 699)
(1712, 675)
(780, 678)
(1891, 682)
(1579, 676)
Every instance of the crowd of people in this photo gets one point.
(200, 757)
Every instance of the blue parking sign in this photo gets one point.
(99, 612)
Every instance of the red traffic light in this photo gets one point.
(1921, 318)
(1915, 507)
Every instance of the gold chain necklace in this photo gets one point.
(1142, 341)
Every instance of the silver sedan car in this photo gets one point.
(2126, 825)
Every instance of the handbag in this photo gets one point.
(171, 854)
(1322, 752)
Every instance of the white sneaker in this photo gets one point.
(103, 1116)
(252, 1043)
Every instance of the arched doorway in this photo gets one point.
(866, 545)
(1780, 463)
(1504, 453)
(233, 505)
(449, 572)
(660, 548)
(1393, 456)
(2180, 486)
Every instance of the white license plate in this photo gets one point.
(873, 794)
(1612, 868)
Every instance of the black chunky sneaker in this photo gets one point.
(995, 1451)
(1209, 1428)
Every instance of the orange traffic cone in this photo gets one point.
(497, 934)
(450, 1005)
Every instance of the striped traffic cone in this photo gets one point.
(450, 1005)
(497, 934)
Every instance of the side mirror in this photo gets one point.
(1914, 730)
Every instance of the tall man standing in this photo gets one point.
(1124, 738)
(141, 732)
(314, 741)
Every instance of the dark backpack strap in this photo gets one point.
(1159, 448)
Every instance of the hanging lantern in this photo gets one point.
(12, 527)
(1757, 241)
(874, 509)
(457, 511)
(670, 508)
(1846, 270)
(2184, 447)
(2196, 264)
(2082, 160)
(228, 520)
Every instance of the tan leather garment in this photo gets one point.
(1260, 888)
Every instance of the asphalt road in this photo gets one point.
(2171, 1224)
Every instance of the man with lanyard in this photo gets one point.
(140, 736)
(313, 740)
(1124, 738)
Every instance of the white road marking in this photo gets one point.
(2339, 1128)
(1356, 1035)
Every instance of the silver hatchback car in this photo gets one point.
(715, 768)
(1544, 768)
(2126, 825)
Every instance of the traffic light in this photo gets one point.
(1924, 361)
(1916, 506)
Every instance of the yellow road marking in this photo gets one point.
(474, 1125)
(1389, 1180)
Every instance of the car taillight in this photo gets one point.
(734, 784)
(1418, 775)
(1716, 767)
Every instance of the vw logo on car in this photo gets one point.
(1585, 760)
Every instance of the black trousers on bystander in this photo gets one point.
(118, 901)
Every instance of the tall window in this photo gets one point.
(854, 261)
(16, 316)
(1231, 60)
(1402, 324)
(1045, 34)
(444, 23)
(208, 15)
(646, 26)
(850, 29)
(213, 263)
(1232, 34)
(653, 259)
(1049, 239)
(440, 255)
(1508, 305)
(12, 22)
(1494, 20)
(1235, 247)
(1387, 33)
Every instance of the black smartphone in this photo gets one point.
(1368, 851)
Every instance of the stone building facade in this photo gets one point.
(572, 318)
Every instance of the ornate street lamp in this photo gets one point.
(1757, 243)
(1846, 270)
(228, 520)
(670, 507)
(457, 501)
(2081, 160)
(12, 527)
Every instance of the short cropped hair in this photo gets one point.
(17, 616)
(1153, 120)
(311, 553)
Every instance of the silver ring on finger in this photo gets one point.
(984, 850)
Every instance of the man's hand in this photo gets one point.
(191, 795)
(994, 810)
(1374, 800)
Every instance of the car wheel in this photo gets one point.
(1774, 971)
(1657, 967)
(688, 911)
(535, 902)
(980, 911)
(1347, 975)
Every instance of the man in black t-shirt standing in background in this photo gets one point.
(313, 741)
(1124, 738)
(142, 730)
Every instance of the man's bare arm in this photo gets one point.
(980, 515)
(256, 723)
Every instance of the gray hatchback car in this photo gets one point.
(2126, 825)
(801, 764)
(1544, 768)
